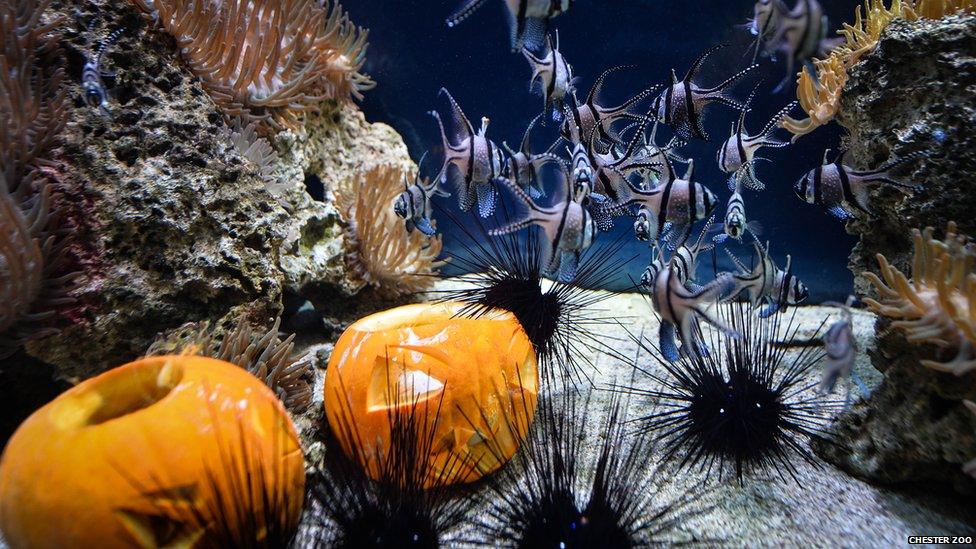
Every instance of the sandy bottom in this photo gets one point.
(826, 507)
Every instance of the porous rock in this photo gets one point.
(170, 223)
(914, 93)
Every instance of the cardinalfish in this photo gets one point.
(615, 166)
(683, 309)
(661, 157)
(842, 191)
(472, 162)
(735, 219)
(568, 226)
(797, 34)
(528, 20)
(91, 76)
(589, 116)
(672, 208)
(767, 283)
(523, 166)
(737, 156)
(553, 75)
(682, 104)
(840, 346)
(413, 204)
(684, 261)
(584, 177)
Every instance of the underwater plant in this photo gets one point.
(507, 272)
(938, 304)
(32, 99)
(745, 406)
(550, 497)
(387, 495)
(164, 451)
(820, 94)
(380, 250)
(259, 352)
(268, 61)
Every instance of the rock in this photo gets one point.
(913, 93)
(171, 224)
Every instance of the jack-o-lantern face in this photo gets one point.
(165, 451)
(470, 383)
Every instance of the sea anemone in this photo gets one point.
(268, 61)
(256, 149)
(746, 406)
(32, 99)
(563, 321)
(550, 498)
(938, 304)
(396, 508)
(820, 94)
(380, 251)
(261, 353)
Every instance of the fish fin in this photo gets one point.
(410, 225)
(736, 261)
(720, 238)
(456, 179)
(533, 33)
(568, 266)
(733, 182)
(486, 198)
(696, 65)
(513, 227)
(755, 227)
(460, 126)
(769, 310)
(667, 343)
(840, 213)
(747, 175)
(534, 193)
(598, 84)
(730, 81)
(600, 213)
(463, 12)
(423, 224)
(773, 123)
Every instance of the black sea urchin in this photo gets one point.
(549, 498)
(561, 320)
(746, 406)
(353, 510)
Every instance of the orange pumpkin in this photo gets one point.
(477, 375)
(165, 450)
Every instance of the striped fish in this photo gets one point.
(683, 309)
(614, 167)
(661, 156)
(843, 191)
(673, 207)
(523, 166)
(737, 156)
(527, 19)
(553, 75)
(91, 76)
(682, 104)
(735, 219)
(472, 162)
(589, 116)
(797, 34)
(568, 226)
(413, 204)
(584, 178)
(684, 261)
(841, 349)
(767, 283)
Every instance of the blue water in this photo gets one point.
(413, 54)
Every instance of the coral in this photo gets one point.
(32, 99)
(268, 61)
(261, 353)
(938, 304)
(820, 95)
(382, 252)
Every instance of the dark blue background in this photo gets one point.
(412, 54)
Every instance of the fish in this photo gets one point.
(613, 168)
(472, 162)
(682, 310)
(661, 156)
(684, 261)
(840, 347)
(590, 116)
(737, 156)
(798, 34)
(682, 104)
(735, 219)
(413, 204)
(767, 283)
(673, 207)
(92, 85)
(653, 268)
(567, 225)
(553, 75)
(527, 19)
(584, 178)
(843, 191)
(523, 165)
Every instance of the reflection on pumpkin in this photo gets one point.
(165, 451)
(471, 380)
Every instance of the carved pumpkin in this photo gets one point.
(168, 450)
(478, 376)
